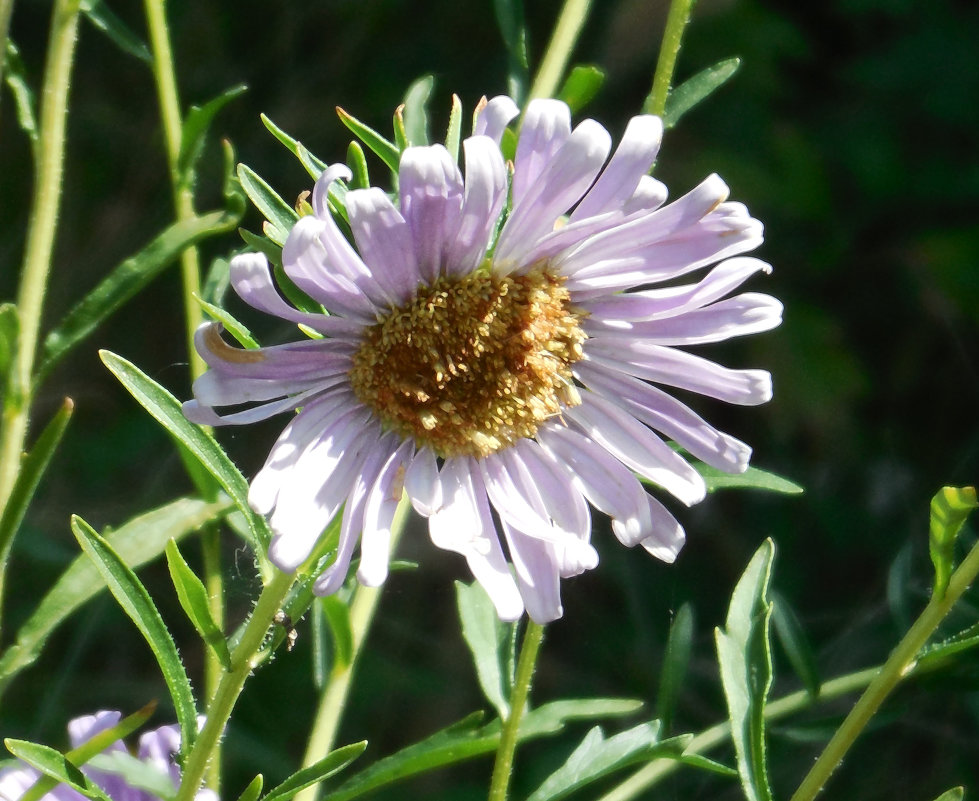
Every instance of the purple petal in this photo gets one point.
(538, 574)
(493, 116)
(382, 502)
(667, 535)
(422, 483)
(545, 128)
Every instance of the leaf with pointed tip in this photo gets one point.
(675, 663)
(416, 109)
(167, 411)
(745, 659)
(330, 765)
(311, 163)
(357, 161)
(280, 215)
(138, 605)
(105, 20)
(596, 757)
(194, 130)
(192, 595)
(453, 133)
(796, 645)
(137, 542)
(937, 653)
(337, 616)
(56, 765)
(241, 334)
(581, 86)
(486, 635)
(955, 794)
(752, 478)
(950, 508)
(253, 790)
(386, 151)
(696, 89)
(127, 279)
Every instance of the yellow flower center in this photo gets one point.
(472, 364)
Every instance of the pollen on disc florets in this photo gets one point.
(472, 364)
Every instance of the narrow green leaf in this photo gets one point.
(92, 747)
(937, 653)
(416, 109)
(261, 244)
(510, 19)
(468, 739)
(675, 663)
(597, 756)
(192, 595)
(752, 478)
(330, 765)
(126, 280)
(453, 134)
(105, 20)
(280, 215)
(56, 765)
(486, 637)
(165, 408)
(900, 590)
(32, 467)
(400, 132)
(701, 762)
(311, 163)
(253, 790)
(691, 92)
(194, 131)
(293, 293)
(137, 542)
(137, 773)
(241, 334)
(745, 659)
(15, 76)
(581, 86)
(357, 161)
(793, 638)
(386, 151)
(955, 794)
(337, 616)
(137, 604)
(949, 510)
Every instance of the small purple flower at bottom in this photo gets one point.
(503, 347)
(157, 750)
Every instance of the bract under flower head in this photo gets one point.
(497, 344)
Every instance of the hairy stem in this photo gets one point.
(676, 22)
(503, 767)
(558, 53)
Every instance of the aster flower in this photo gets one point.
(496, 346)
(157, 750)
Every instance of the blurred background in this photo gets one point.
(850, 130)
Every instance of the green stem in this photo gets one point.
(41, 230)
(558, 53)
(243, 660)
(720, 733)
(895, 669)
(676, 22)
(334, 699)
(503, 767)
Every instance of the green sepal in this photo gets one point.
(745, 659)
(581, 86)
(487, 638)
(15, 76)
(692, 91)
(105, 20)
(193, 598)
(357, 161)
(328, 766)
(138, 541)
(313, 165)
(386, 151)
(950, 508)
(138, 605)
(279, 214)
(416, 110)
(400, 132)
(166, 410)
(194, 130)
(676, 660)
(126, 280)
(453, 133)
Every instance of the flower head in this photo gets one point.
(496, 345)
(157, 750)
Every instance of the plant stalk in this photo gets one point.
(558, 53)
(676, 23)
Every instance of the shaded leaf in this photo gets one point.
(194, 130)
(56, 765)
(675, 663)
(311, 163)
(139, 541)
(126, 280)
(938, 652)
(581, 86)
(796, 645)
(330, 765)
(752, 478)
(137, 604)
(692, 91)
(701, 762)
(513, 29)
(485, 635)
(745, 659)
(597, 756)
(280, 215)
(165, 408)
(105, 20)
(337, 616)
(416, 109)
(15, 76)
(949, 509)
(193, 598)
(386, 151)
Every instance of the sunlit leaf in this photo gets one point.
(195, 128)
(193, 598)
(745, 659)
(453, 134)
(675, 663)
(138, 605)
(311, 163)
(253, 790)
(357, 161)
(939, 652)
(241, 334)
(752, 478)
(416, 109)
(386, 151)
(280, 215)
(949, 510)
(330, 765)
(581, 86)
(126, 280)
(955, 794)
(692, 91)
(56, 765)
(487, 636)
(337, 615)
